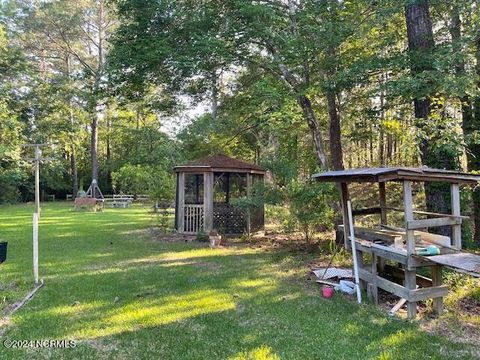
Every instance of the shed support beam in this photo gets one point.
(437, 281)
(346, 225)
(457, 228)
(383, 202)
(410, 274)
(208, 201)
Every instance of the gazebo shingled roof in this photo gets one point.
(220, 162)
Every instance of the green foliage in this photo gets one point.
(144, 179)
(310, 205)
(202, 236)
(131, 179)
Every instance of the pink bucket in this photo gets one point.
(327, 291)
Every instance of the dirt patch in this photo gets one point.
(158, 235)
(469, 306)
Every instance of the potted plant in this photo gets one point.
(215, 238)
(3, 251)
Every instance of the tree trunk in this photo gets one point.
(94, 145)
(470, 119)
(421, 45)
(381, 135)
(214, 99)
(336, 151)
(474, 154)
(312, 122)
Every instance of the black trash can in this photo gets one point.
(3, 251)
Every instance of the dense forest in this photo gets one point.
(122, 90)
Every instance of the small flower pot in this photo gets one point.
(3, 251)
(215, 240)
(327, 291)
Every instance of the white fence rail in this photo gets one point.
(194, 218)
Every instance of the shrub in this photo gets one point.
(202, 236)
(310, 205)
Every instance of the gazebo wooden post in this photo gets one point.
(208, 201)
(181, 202)
(410, 274)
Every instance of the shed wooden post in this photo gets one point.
(437, 280)
(208, 201)
(346, 226)
(383, 202)
(456, 229)
(383, 219)
(410, 274)
(181, 202)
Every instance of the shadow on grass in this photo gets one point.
(144, 299)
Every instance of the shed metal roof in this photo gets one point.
(381, 174)
(219, 162)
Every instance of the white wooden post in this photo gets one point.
(410, 274)
(38, 154)
(456, 229)
(208, 201)
(181, 202)
(35, 248)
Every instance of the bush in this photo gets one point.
(144, 179)
(310, 205)
(202, 236)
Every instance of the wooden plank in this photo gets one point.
(384, 284)
(461, 261)
(374, 285)
(361, 264)
(376, 234)
(397, 306)
(410, 275)
(367, 211)
(411, 284)
(426, 223)
(399, 274)
(437, 280)
(422, 294)
(383, 202)
(429, 213)
(441, 240)
(457, 228)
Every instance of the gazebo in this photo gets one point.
(206, 192)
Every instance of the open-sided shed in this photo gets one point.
(206, 190)
(404, 247)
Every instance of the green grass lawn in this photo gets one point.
(121, 294)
